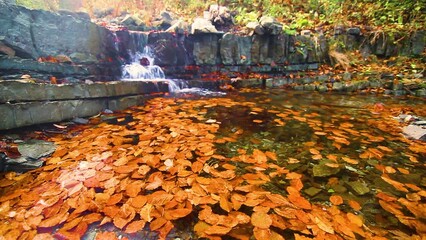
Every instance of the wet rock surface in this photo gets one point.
(31, 156)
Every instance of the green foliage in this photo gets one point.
(39, 4)
(245, 17)
(295, 14)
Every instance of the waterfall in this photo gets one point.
(142, 67)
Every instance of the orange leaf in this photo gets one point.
(354, 205)
(259, 156)
(116, 198)
(177, 213)
(349, 160)
(56, 219)
(134, 188)
(91, 218)
(261, 220)
(260, 233)
(399, 186)
(135, 226)
(336, 200)
(299, 201)
(314, 151)
(217, 230)
(157, 223)
(357, 220)
(138, 201)
(156, 183)
(224, 203)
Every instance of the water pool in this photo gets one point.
(269, 164)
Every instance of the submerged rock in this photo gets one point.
(322, 170)
(32, 153)
(312, 191)
(36, 148)
(359, 187)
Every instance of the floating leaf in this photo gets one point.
(357, 220)
(336, 200)
(177, 213)
(217, 230)
(354, 205)
(135, 226)
(261, 220)
(261, 233)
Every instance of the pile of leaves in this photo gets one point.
(160, 164)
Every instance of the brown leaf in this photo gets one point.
(261, 220)
(157, 223)
(217, 230)
(139, 201)
(135, 226)
(336, 200)
(261, 233)
(116, 198)
(224, 203)
(56, 219)
(357, 220)
(177, 213)
(134, 188)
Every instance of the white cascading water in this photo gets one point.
(148, 71)
(135, 71)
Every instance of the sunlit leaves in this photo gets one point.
(176, 172)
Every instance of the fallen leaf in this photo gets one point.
(135, 226)
(336, 200)
(261, 220)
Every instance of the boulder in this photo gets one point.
(164, 21)
(256, 28)
(271, 25)
(15, 30)
(179, 27)
(133, 22)
(39, 35)
(220, 16)
(201, 25)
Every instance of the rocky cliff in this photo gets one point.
(59, 44)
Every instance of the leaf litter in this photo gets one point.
(188, 165)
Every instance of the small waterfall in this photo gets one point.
(142, 67)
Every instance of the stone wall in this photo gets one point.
(64, 38)
(183, 56)
(24, 103)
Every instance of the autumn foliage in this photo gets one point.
(164, 166)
